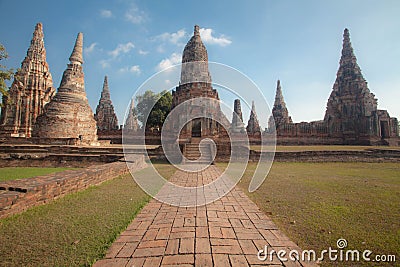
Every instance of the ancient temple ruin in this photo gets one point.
(131, 122)
(30, 91)
(32, 108)
(68, 115)
(253, 126)
(237, 125)
(352, 111)
(195, 82)
(105, 115)
(280, 114)
(351, 117)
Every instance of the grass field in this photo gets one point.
(74, 230)
(323, 148)
(315, 204)
(12, 173)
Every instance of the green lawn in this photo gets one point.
(315, 204)
(74, 230)
(323, 148)
(13, 173)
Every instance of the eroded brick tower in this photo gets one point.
(195, 83)
(105, 115)
(351, 111)
(30, 91)
(253, 126)
(280, 113)
(68, 115)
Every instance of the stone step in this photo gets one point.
(192, 152)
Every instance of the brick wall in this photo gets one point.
(18, 195)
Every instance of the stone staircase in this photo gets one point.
(192, 153)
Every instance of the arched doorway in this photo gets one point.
(196, 128)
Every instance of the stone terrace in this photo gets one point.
(227, 232)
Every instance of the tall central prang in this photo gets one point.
(195, 83)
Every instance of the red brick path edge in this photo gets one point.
(18, 195)
(227, 232)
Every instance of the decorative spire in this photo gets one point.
(253, 125)
(195, 54)
(237, 124)
(279, 101)
(105, 116)
(195, 50)
(38, 33)
(349, 69)
(280, 114)
(348, 59)
(105, 93)
(131, 122)
(350, 101)
(30, 91)
(196, 30)
(68, 114)
(238, 109)
(76, 55)
(36, 49)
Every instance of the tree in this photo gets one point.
(160, 105)
(5, 74)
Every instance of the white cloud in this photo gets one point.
(174, 37)
(89, 49)
(208, 38)
(135, 15)
(121, 48)
(104, 63)
(174, 59)
(104, 13)
(142, 52)
(133, 69)
(160, 49)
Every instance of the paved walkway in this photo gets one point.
(227, 232)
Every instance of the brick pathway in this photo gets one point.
(227, 232)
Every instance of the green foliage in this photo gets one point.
(152, 108)
(5, 74)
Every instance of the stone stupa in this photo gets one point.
(68, 115)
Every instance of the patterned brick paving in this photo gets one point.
(227, 232)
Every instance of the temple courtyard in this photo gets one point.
(307, 205)
(329, 195)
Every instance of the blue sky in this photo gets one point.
(298, 42)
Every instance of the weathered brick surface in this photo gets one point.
(226, 232)
(105, 115)
(30, 91)
(19, 195)
(68, 114)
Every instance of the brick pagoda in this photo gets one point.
(253, 126)
(352, 111)
(105, 115)
(68, 115)
(30, 91)
(237, 125)
(280, 114)
(195, 82)
(131, 122)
